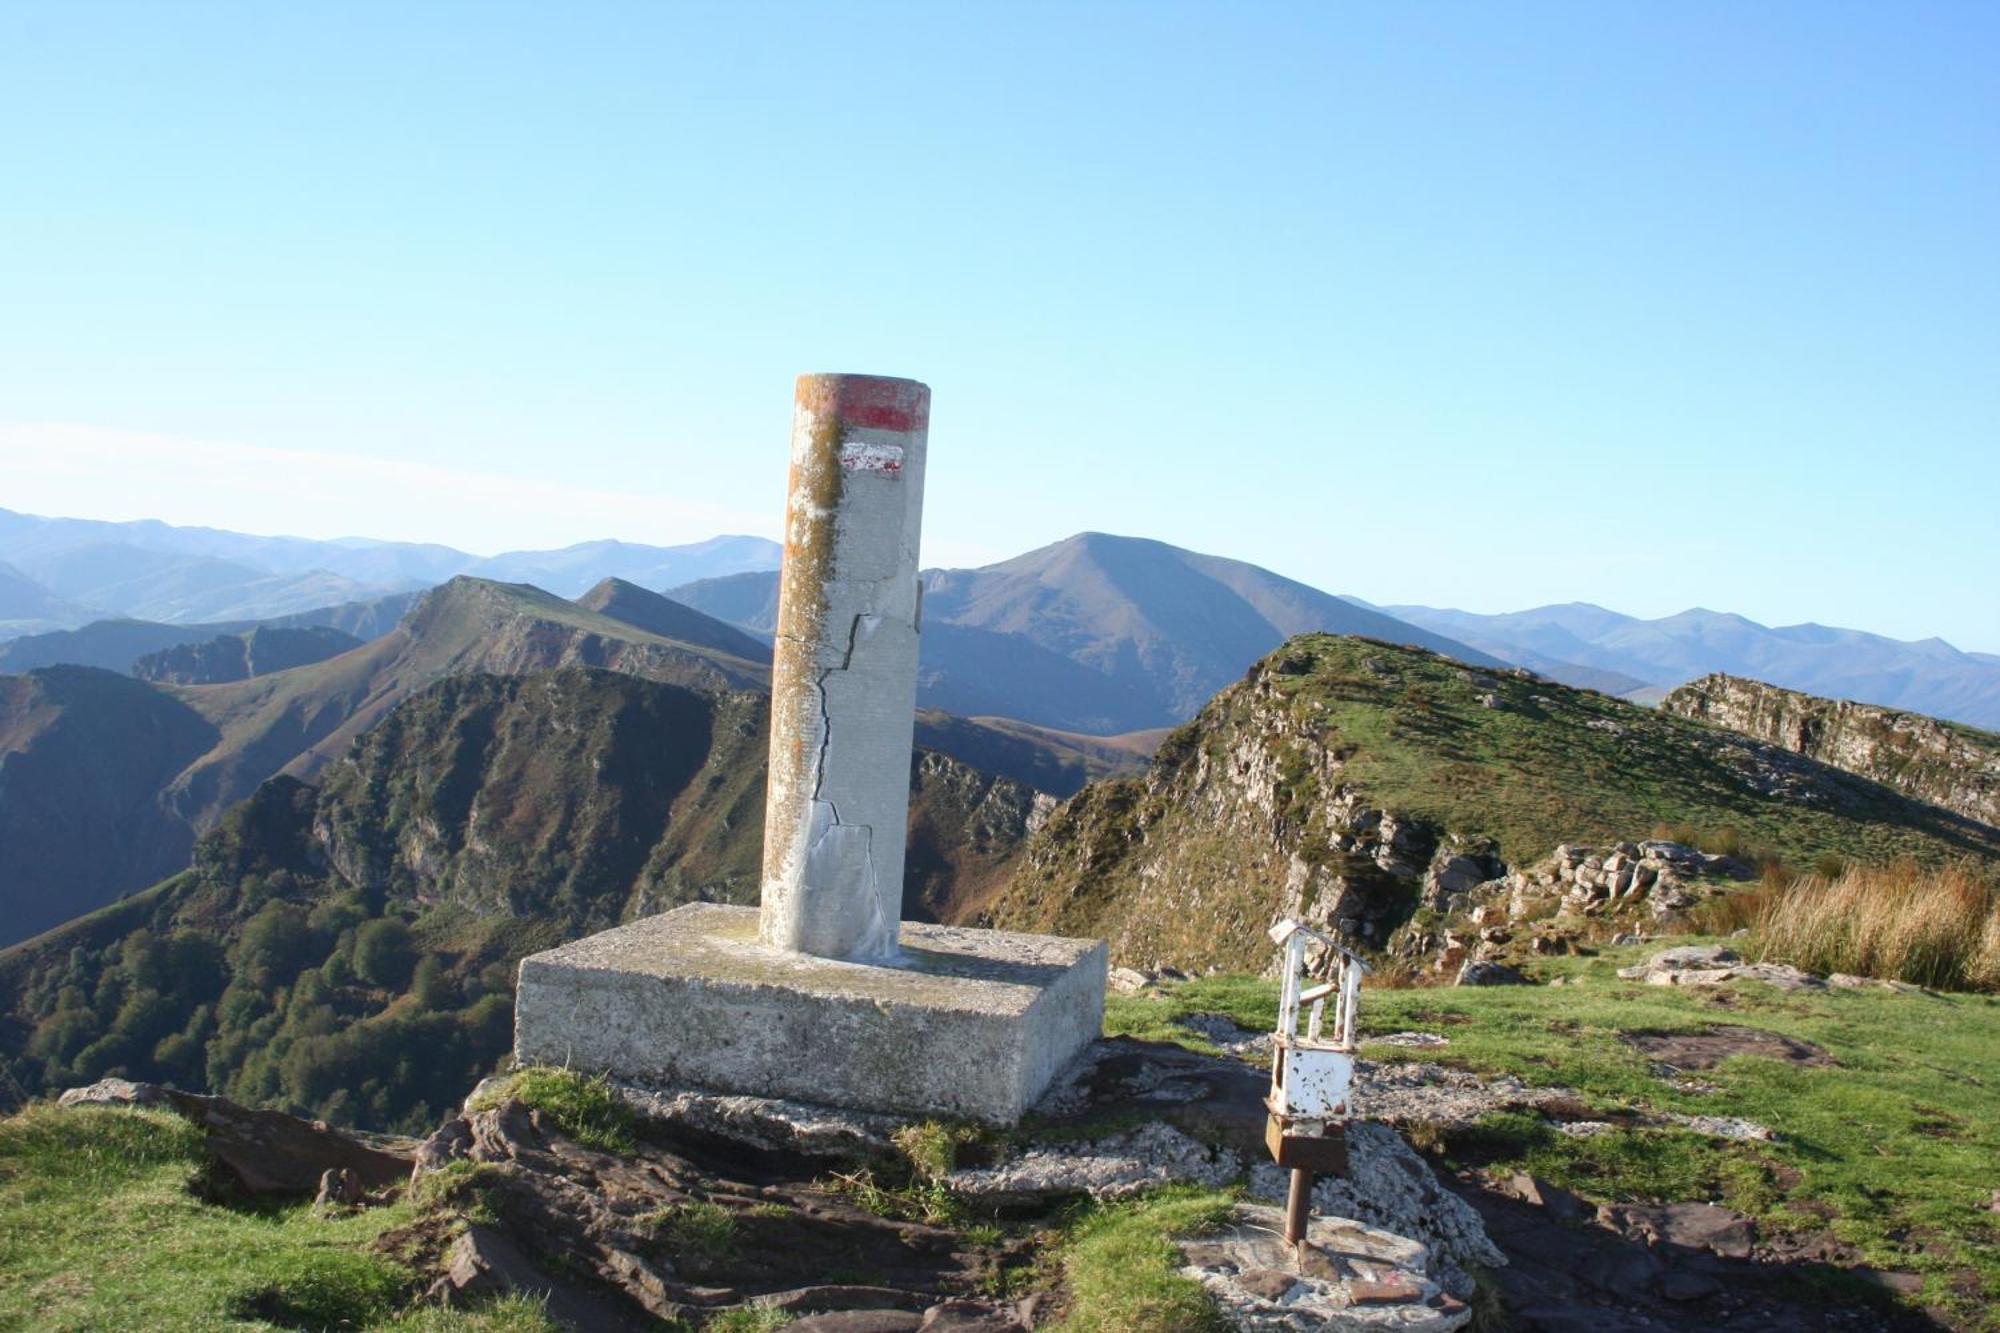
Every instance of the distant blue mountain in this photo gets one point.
(1919, 676)
(1097, 633)
(66, 572)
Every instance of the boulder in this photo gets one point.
(1693, 1226)
(339, 1187)
(1482, 972)
(1128, 980)
(1458, 869)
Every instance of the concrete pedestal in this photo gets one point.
(967, 1023)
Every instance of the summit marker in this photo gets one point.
(824, 994)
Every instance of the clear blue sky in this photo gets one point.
(1481, 305)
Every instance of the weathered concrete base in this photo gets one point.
(969, 1023)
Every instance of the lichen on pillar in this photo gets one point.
(844, 669)
(792, 1000)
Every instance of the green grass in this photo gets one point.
(582, 1106)
(931, 1146)
(1120, 1265)
(929, 1201)
(697, 1229)
(460, 1186)
(102, 1227)
(504, 1314)
(1250, 1002)
(1891, 1148)
(748, 1319)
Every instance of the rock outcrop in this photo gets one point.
(1547, 908)
(1945, 763)
(1394, 1244)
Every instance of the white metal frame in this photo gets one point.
(1311, 1072)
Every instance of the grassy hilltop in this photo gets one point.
(1338, 765)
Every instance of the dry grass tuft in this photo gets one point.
(1936, 927)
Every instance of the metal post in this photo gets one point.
(1298, 1205)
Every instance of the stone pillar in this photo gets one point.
(844, 669)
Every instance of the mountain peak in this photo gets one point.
(627, 602)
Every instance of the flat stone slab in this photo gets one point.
(969, 1023)
(1343, 1278)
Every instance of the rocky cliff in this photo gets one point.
(1945, 763)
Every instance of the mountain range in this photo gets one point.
(60, 573)
(1097, 633)
(1643, 659)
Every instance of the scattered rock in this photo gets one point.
(1344, 1276)
(1724, 1127)
(485, 1262)
(1108, 1168)
(1223, 1031)
(944, 1317)
(1411, 1092)
(970, 1317)
(1421, 1040)
(1848, 981)
(1128, 980)
(1582, 1129)
(859, 1321)
(1713, 964)
(573, 1225)
(768, 1123)
(1688, 957)
(1389, 1187)
(1783, 976)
